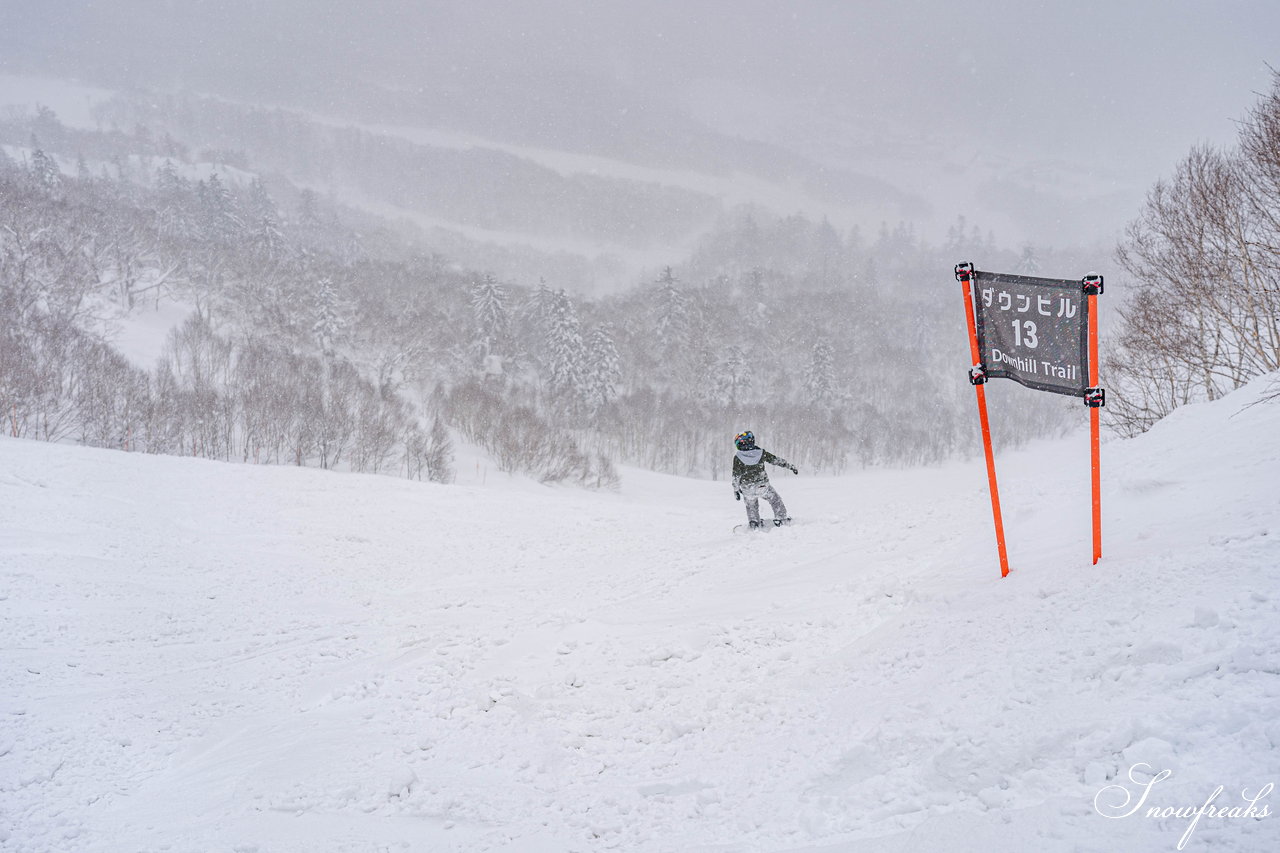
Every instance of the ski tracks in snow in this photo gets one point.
(208, 656)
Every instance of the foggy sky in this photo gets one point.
(1107, 86)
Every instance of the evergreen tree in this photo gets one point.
(218, 218)
(45, 171)
(328, 325)
(672, 313)
(819, 378)
(46, 125)
(957, 236)
(489, 309)
(175, 197)
(124, 170)
(1029, 264)
(535, 317)
(565, 350)
(353, 249)
(733, 376)
(541, 302)
(263, 218)
(309, 221)
(169, 185)
(604, 368)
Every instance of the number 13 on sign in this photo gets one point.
(1024, 334)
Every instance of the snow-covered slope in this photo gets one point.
(200, 656)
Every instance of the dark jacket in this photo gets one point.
(748, 466)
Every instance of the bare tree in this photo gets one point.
(438, 453)
(1204, 316)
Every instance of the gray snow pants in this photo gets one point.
(751, 496)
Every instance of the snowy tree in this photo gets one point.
(263, 218)
(175, 216)
(1029, 263)
(353, 250)
(309, 221)
(332, 411)
(200, 361)
(733, 376)
(438, 453)
(541, 302)
(308, 208)
(565, 350)
(489, 309)
(45, 171)
(958, 238)
(819, 378)
(671, 308)
(168, 184)
(378, 424)
(535, 323)
(218, 218)
(329, 322)
(604, 368)
(46, 126)
(1203, 311)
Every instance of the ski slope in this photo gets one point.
(201, 656)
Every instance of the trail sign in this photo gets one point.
(1042, 333)
(1034, 331)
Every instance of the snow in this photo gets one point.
(208, 656)
(140, 335)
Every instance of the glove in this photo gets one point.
(737, 495)
(795, 470)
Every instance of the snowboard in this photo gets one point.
(768, 525)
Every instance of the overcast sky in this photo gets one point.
(1143, 70)
(1117, 77)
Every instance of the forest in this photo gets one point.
(320, 334)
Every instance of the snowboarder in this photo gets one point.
(751, 481)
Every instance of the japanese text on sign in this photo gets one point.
(1033, 331)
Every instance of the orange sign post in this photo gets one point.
(1043, 334)
(1094, 398)
(978, 377)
